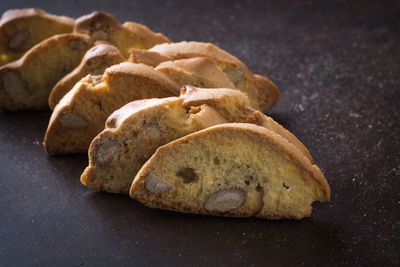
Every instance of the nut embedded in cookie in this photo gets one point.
(225, 200)
(101, 26)
(95, 61)
(21, 29)
(96, 101)
(155, 185)
(26, 83)
(141, 126)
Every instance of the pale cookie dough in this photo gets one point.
(27, 82)
(21, 29)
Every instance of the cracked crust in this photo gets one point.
(27, 82)
(261, 91)
(95, 100)
(103, 26)
(175, 117)
(95, 61)
(280, 182)
(21, 29)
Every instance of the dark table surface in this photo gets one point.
(337, 64)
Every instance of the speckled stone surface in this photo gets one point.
(337, 64)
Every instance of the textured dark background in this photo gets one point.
(337, 64)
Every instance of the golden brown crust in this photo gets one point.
(95, 61)
(214, 96)
(265, 121)
(82, 112)
(235, 101)
(13, 14)
(268, 89)
(129, 68)
(96, 24)
(175, 117)
(118, 116)
(262, 93)
(91, 177)
(255, 133)
(197, 71)
(146, 35)
(103, 26)
(286, 147)
(185, 49)
(21, 29)
(26, 83)
(146, 57)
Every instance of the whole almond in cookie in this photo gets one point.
(27, 82)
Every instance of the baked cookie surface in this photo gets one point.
(27, 82)
(21, 29)
(101, 26)
(134, 132)
(263, 95)
(95, 61)
(198, 71)
(234, 170)
(82, 112)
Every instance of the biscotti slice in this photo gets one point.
(27, 82)
(197, 71)
(104, 27)
(135, 131)
(82, 112)
(262, 95)
(21, 29)
(95, 61)
(132, 135)
(233, 170)
(236, 106)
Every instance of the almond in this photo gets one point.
(148, 140)
(155, 184)
(225, 200)
(72, 120)
(16, 42)
(107, 150)
(14, 85)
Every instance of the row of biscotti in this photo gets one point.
(27, 82)
(134, 132)
(81, 111)
(38, 49)
(21, 29)
(205, 152)
(85, 97)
